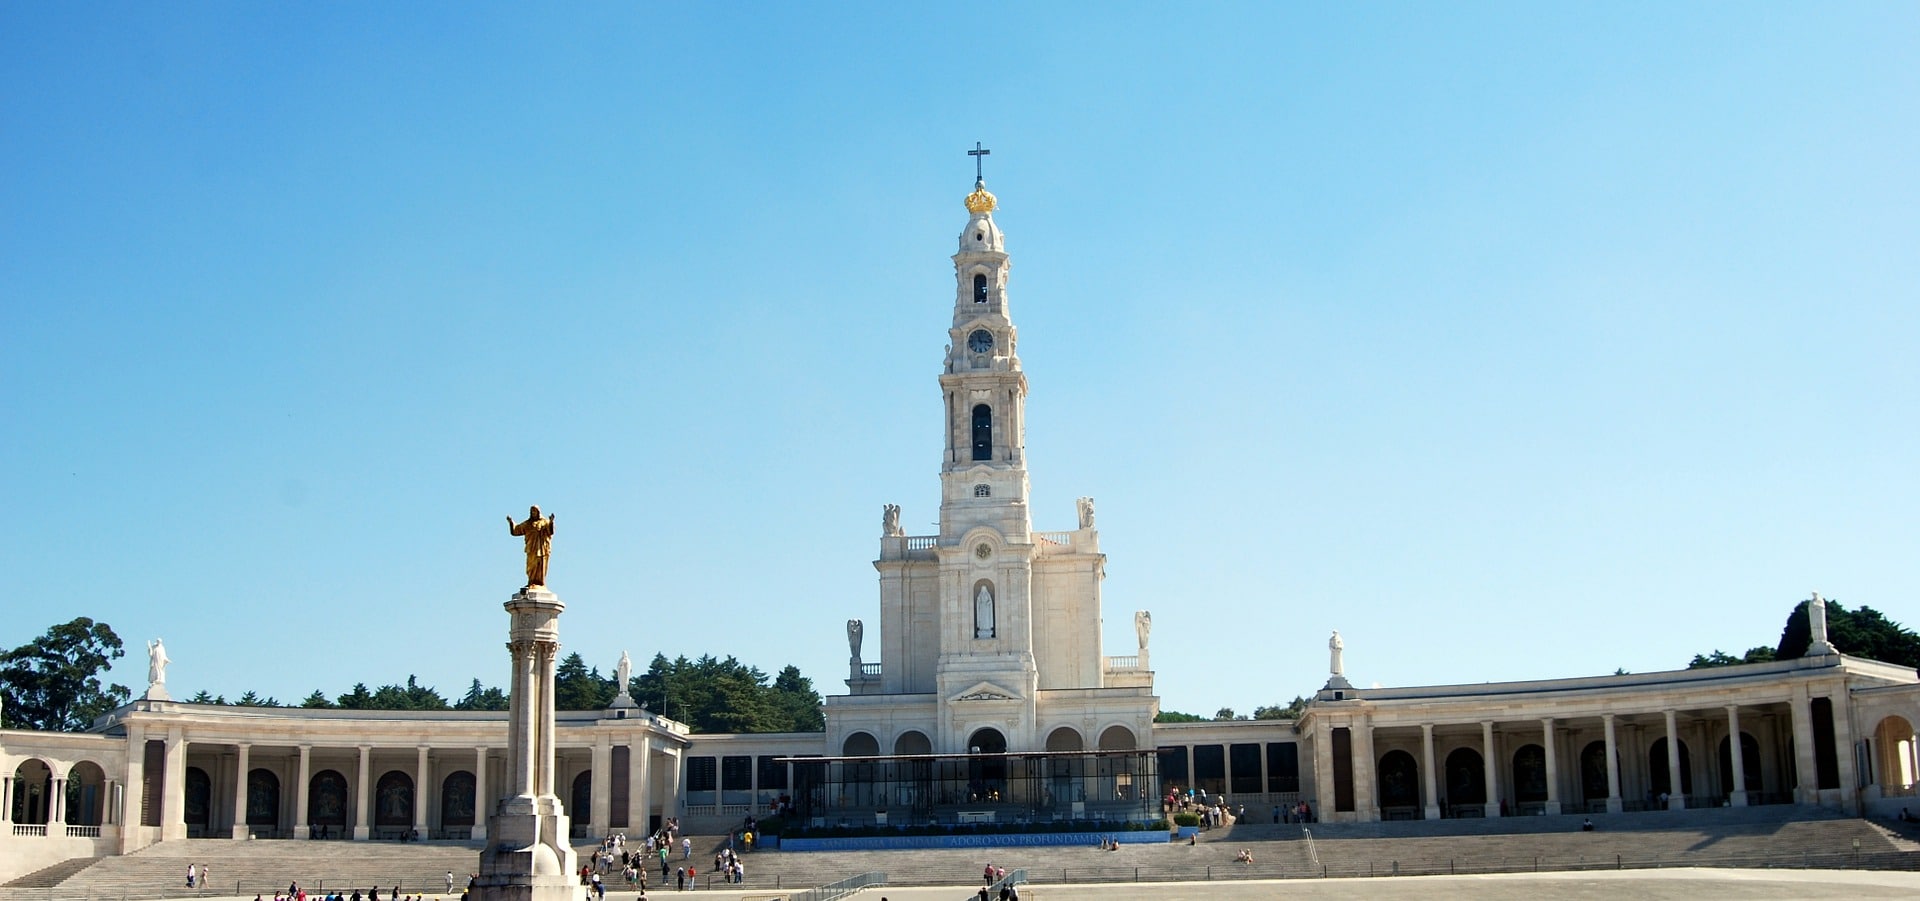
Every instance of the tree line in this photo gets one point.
(53, 684)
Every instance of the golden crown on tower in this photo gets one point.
(981, 200)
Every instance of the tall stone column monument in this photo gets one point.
(528, 855)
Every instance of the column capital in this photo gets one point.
(1606, 717)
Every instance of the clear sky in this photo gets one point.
(1512, 340)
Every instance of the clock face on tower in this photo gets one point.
(980, 341)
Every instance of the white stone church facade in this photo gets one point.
(990, 649)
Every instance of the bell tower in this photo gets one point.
(985, 670)
(983, 476)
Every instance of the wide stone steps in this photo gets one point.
(48, 877)
(1782, 837)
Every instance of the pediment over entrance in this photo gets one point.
(985, 691)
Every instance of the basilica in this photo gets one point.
(991, 701)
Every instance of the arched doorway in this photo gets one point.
(199, 801)
(1466, 777)
(1399, 780)
(1593, 772)
(860, 744)
(393, 799)
(580, 800)
(912, 742)
(327, 802)
(1118, 738)
(1893, 747)
(32, 793)
(86, 794)
(456, 799)
(1529, 774)
(263, 798)
(1065, 738)
(1749, 764)
(1657, 776)
(987, 768)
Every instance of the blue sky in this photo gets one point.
(1512, 340)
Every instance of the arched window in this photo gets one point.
(979, 287)
(983, 432)
(982, 491)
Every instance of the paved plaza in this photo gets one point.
(1679, 884)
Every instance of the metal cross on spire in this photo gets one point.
(977, 153)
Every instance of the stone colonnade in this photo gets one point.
(1547, 764)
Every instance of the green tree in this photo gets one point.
(316, 701)
(53, 683)
(253, 700)
(1292, 711)
(798, 704)
(1175, 716)
(1760, 654)
(357, 699)
(478, 698)
(1226, 714)
(577, 688)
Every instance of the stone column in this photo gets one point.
(6, 799)
(1553, 766)
(1492, 777)
(671, 807)
(1427, 780)
(1843, 747)
(362, 827)
(57, 808)
(600, 800)
(132, 833)
(422, 784)
(1806, 773)
(1366, 806)
(1676, 793)
(242, 763)
(173, 804)
(530, 856)
(637, 774)
(1737, 756)
(1613, 766)
(1322, 772)
(483, 801)
(302, 803)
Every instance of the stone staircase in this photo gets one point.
(251, 868)
(1747, 837)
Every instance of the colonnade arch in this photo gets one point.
(1530, 774)
(1659, 779)
(860, 744)
(912, 741)
(86, 794)
(327, 800)
(32, 792)
(1466, 777)
(199, 799)
(1118, 738)
(263, 798)
(1399, 780)
(1896, 760)
(457, 799)
(393, 799)
(1065, 738)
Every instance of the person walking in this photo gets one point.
(449, 882)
